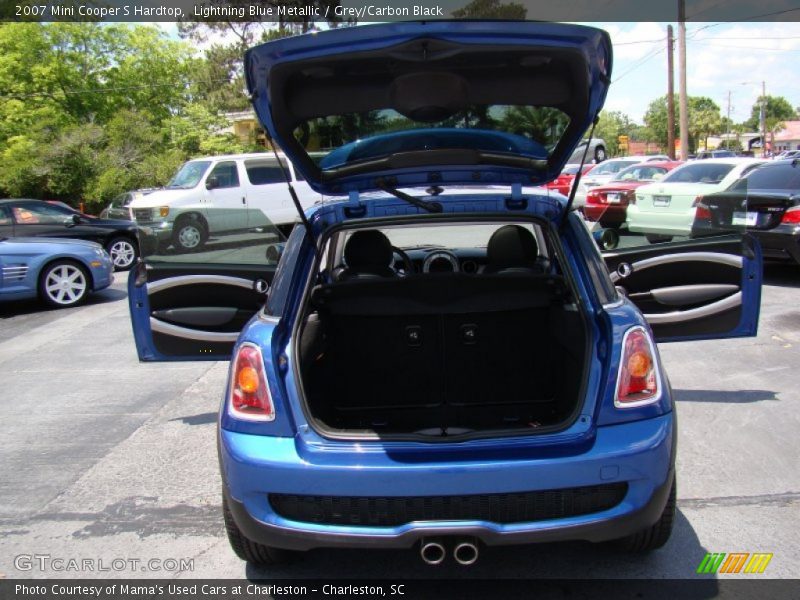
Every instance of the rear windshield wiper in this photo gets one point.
(432, 207)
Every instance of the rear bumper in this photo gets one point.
(606, 213)
(640, 453)
(781, 243)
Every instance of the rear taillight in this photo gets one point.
(792, 216)
(250, 398)
(702, 210)
(593, 197)
(638, 381)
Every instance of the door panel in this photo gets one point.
(701, 289)
(193, 311)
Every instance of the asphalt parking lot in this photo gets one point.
(102, 457)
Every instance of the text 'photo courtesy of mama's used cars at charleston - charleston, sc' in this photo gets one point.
(442, 358)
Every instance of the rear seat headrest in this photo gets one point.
(510, 247)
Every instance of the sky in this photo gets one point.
(721, 58)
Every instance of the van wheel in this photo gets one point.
(655, 536)
(256, 554)
(189, 234)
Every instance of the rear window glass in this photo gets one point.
(699, 173)
(640, 173)
(775, 177)
(611, 166)
(519, 130)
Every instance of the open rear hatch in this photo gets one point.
(422, 103)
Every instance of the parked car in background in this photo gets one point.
(61, 273)
(605, 172)
(451, 370)
(766, 201)
(596, 154)
(666, 208)
(119, 207)
(608, 203)
(563, 183)
(35, 218)
(221, 195)
(787, 154)
(706, 154)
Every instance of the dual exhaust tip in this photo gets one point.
(434, 552)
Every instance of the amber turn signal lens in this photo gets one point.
(248, 379)
(638, 364)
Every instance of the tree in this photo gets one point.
(778, 109)
(491, 9)
(610, 126)
(704, 119)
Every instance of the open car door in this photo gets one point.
(691, 290)
(192, 305)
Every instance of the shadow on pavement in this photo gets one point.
(732, 397)
(782, 275)
(201, 419)
(16, 308)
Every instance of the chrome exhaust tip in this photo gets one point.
(432, 552)
(466, 553)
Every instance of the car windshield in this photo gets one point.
(189, 174)
(640, 173)
(699, 173)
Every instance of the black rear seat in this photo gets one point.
(438, 340)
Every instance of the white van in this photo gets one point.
(220, 195)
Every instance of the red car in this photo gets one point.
(609, 203)
(563, 182)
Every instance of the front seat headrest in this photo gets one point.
(369, 252)
(511, 247)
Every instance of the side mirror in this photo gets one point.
(274, 253)
(606, 239)
(212, 182)
(73, 220)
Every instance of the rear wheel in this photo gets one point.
(653, 238)
(246, 549)
(655, 536)
(123, 252)
(63, 284)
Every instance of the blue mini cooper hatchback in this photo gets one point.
(439, 356)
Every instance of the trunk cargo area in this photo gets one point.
(442, 355)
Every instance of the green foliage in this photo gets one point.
(704, 119)
(491, 9)
(89, 111)
(778, 109)
(610, 126)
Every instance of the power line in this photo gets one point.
(639, 63)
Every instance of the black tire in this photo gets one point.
(655, 536)
(64, 283)
(657, 239)
(600, 154)
(189, 234)
(123, 251)
(256, 554)
(614, 226)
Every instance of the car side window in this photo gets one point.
(226, 174)
(28, 214)
(263, 172)
(5, 216)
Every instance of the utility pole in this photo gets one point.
(728, 122)
(683, 101)
(670, 94)
(763, 118)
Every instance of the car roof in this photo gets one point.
(239, 156)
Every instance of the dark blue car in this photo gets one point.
(442, 358)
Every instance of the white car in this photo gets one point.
(221, 195)
(667, 208)
(606, 171)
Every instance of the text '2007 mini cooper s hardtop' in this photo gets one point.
(442, 357)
